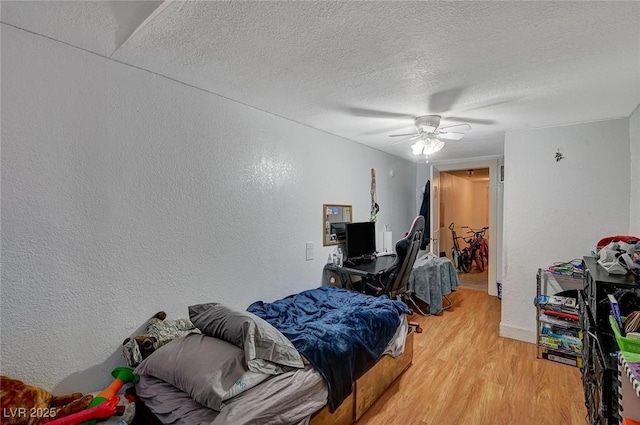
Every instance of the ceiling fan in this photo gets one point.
(431, 137)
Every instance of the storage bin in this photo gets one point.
(625, 344)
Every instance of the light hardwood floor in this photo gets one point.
(464, 373)
(474, 279)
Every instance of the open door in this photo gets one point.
(435, 211)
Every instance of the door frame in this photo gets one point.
(434, 206)
(492, 165)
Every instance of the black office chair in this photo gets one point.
(394, 280)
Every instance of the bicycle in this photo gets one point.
(481, 243)
(474, 253)
(461, 257)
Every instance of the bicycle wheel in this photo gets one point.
(456, 258)
(465, 261)
(485, 252)
(478, 260)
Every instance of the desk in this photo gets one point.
(343, 276)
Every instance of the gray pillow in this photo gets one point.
(205, 368)
(266, 349)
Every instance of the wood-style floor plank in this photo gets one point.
(464, 373)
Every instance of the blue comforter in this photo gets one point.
(342, 333)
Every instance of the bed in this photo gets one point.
(322, 357)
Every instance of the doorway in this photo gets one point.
(464, 201)
(439, 228)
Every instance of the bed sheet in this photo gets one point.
(286, 399)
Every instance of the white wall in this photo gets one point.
(480, 205)
(557, 211)
(634, 136)
(125, 193)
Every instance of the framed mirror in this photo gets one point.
(333, 218)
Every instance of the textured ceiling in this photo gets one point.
(363, 70)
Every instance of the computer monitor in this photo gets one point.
(361, 239)
(340, 230)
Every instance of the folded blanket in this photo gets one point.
(341, 332)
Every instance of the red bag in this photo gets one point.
(605, 241)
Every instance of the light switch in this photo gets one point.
(309, 251)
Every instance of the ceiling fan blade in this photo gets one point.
(379, 131)
(464, 126)
(490, 104)
(415, 136)
(408, 134)
(444, 100)
(372, 113)
(451, 136)
(472, 120)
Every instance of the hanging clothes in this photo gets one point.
(375, 208)
(425, 211)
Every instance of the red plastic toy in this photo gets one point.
(101, 411)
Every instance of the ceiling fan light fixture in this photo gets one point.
(431, 137)
(432, 145)
(418, 147)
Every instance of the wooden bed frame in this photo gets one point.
(367, 389)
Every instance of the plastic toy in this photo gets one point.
(123, 375)
(417, 326)
(104, 410)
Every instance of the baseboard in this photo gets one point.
(526, 335)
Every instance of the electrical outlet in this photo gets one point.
(309, 251)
